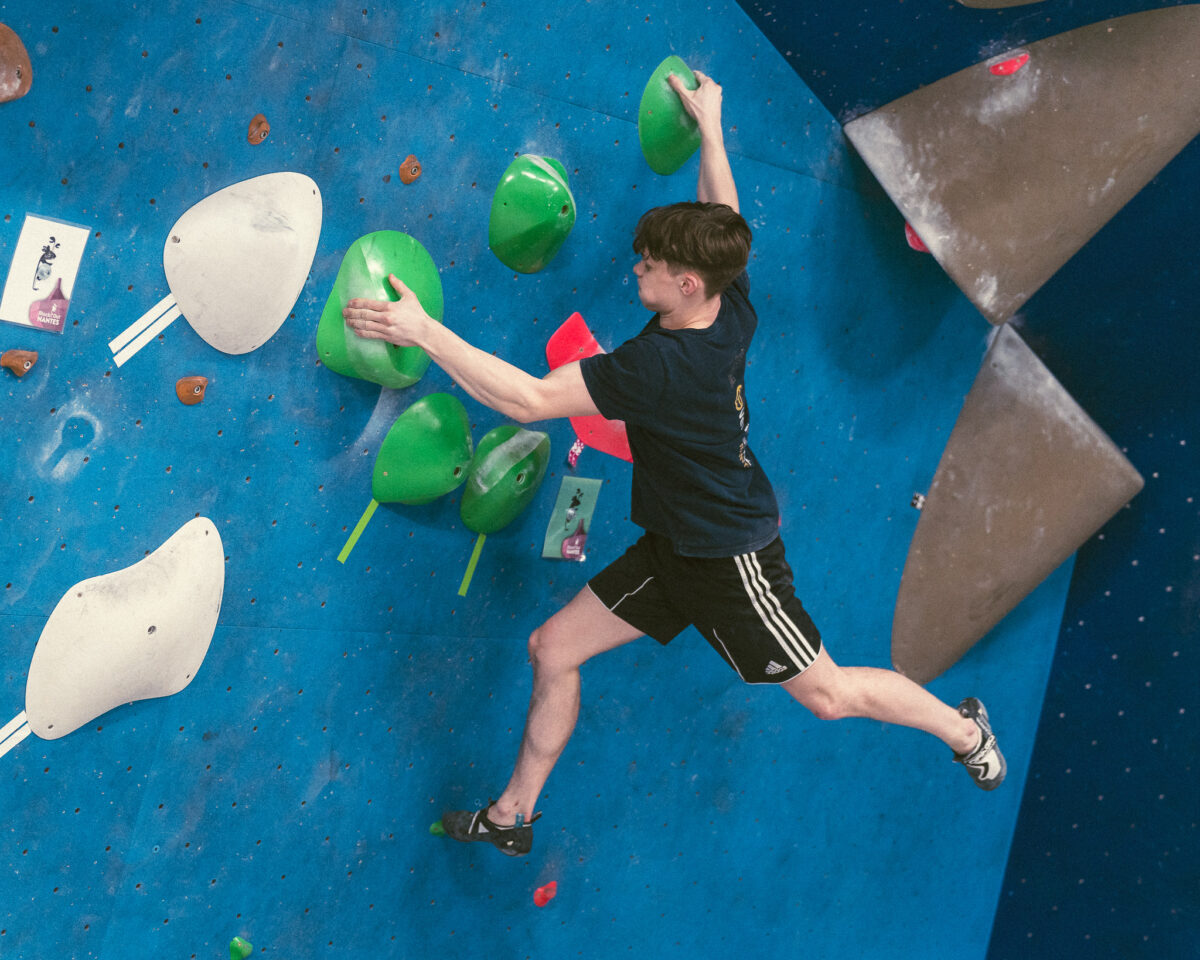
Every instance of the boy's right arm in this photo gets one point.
(703, 104)
(490, 380)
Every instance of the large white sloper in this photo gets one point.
(237, 260)
(133, 634)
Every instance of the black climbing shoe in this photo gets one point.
(985, 763)
(469, 826)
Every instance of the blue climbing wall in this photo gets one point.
(286, 794)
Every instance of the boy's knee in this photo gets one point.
(827, 705)
(545, 652)
(535, 645)
(830, 701)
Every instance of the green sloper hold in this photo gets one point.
(532, 213)
(364, 273)
(426, 453)
(667, 133)
(505, 473)
(239, 949)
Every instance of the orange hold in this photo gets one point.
(19, 362)
(190, 390)
(16, 72)
(259, 128)
(543, 895)
(410, 169)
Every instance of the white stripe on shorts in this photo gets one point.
(729, 657)
(613, 608)
(770, 611)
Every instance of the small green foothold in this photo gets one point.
(239, 949)
(437, 829)
(668, 134)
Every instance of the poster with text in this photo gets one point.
(41, 276)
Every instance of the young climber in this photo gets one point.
(711, 555)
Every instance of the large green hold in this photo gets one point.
(426, 454)
(669, 136)
(364, 273)
(507, 470)
(532, 213)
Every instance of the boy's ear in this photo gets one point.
(690, 283)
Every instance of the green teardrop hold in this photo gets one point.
(426, 453)
(532, 213)
(364, 273)
(669, 136)
(506, 471)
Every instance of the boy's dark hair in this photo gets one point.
(710, 238)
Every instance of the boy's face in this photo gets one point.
(658, 288)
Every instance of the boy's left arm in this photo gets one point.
(715, 184)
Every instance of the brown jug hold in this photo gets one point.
(16, 72)
(190, 390)
(259, 128)
(19, 362)
(410, 169)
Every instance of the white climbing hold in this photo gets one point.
(133, 634)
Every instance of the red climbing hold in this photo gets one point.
(574, 341)
(1006, 68)
(913, 240)
(543, 895)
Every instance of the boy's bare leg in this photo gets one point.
(832, 692)
(579, 631)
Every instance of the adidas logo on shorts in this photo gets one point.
(774, 668)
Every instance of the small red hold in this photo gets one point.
(410, 169)
(1006, 68)
(543, 895)
(913, 240)
(259, 128)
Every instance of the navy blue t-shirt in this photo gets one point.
(681, 395)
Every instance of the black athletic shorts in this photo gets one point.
(745, 606)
